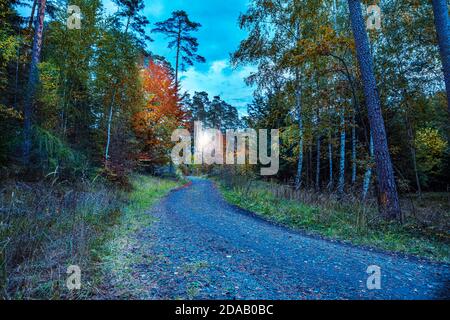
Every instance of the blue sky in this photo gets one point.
(218, 37)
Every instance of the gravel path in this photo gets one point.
(203, 248)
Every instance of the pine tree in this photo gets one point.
(178, 29)
(388, 198)
(442, 22)
(130, 10)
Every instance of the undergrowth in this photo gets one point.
(45, 227)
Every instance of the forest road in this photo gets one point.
(204, 248)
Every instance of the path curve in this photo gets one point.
(204, 248)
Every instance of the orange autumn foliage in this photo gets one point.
(161, 115)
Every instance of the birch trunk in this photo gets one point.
(368, 173)
(341, 181)
(298, 106)
(110, 117)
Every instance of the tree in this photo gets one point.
(387, 191)
(33, 80)
(161, 115)
(199, 106)
(442, 22)
(130, 10)
(8, 42)
(275, 31)
(178, 29)
(407, 64)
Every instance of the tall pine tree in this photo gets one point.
(178, 29)
(387, 190)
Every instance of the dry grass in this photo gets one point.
(45, 228)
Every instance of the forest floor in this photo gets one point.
(44, 228)
(198, 246)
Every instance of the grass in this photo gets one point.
(44, 228)
(124, 250)
(352, 222)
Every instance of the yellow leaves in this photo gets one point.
(324, 43)
(431, 140)
(10, 113)
(430, 147)
(8, 47)
(49, 84)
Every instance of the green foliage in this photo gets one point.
(214, 113)
(9, 41)
(57, 158)
(8, 51)
(431, 147)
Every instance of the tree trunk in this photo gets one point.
(318, 164)
(353, 148)
(298, 106)
(368, 173)
(442, 23)
(16, 78)
(32, 81)
(341, 181)
(127, 25)
(310, 165)
(33, 9)
(412, 148)
(108, 137)
(387, 190)
(330, 163)
(178, 55)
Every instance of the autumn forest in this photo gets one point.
(358, 89)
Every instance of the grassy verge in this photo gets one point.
(45, 228)
(123, 249)
(355, 223)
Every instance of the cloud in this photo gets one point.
(218, 37)
(220, 79)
